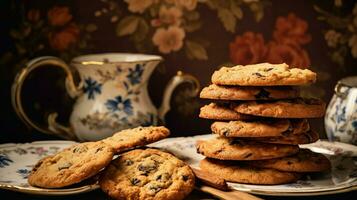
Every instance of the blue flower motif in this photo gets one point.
(354, 124)
(134, 75)
(91, 87)
(5, 161)
(120, 104)
(23, 172)
(341, 116)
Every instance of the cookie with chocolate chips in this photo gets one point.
(304, 161)
(71, 165)
(147, 174)
(221, 111)
(220, 92)
(234, 171)
(223, 148)
(260, 128)
(140, 136)
(263, 74)
(289, 108)
(294, 139)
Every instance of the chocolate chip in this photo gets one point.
(225, 132)
(185, 177)
(269, 69)
(258, 74)
(80, 149)
(64, 166)
(262, 94)
(289, 163)
(154, 189)
(286, 133)
(134, 181)
(237, 142)
(146, 168)
(163, 177)
(128, 162)
(99, 149)
(248, 155)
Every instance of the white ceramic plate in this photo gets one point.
(342, 178)
(17, 160)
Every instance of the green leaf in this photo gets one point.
(127, 25)
(236, 10)
(142, 30)
(258, 11)
(228, 20)
(195, 50)
(91, 27)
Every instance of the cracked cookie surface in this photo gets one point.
(221, 111)
(147, 174)
(304, 161)
(71, 165)
(289, 108)
(263, 74)
(220, 92)
(260, 128)
(240, 173)
(237, 149)
(140, 136)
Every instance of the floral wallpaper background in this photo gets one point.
(195, 36)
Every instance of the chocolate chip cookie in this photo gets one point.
(260, 128)
(139, 136)
(71, 165)
(263, 74)
(294, 139)
(221, 111)
(293, 108)
(237, 149)
(240, 173)
(304, 161)
(147, 174)
(220, 92)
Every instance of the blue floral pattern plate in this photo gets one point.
(17, 160)
(342, 178)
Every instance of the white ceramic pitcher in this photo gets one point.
(112, 94)
(341, 113)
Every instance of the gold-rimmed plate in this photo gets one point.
(17, 160)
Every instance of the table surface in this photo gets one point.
(195, 195)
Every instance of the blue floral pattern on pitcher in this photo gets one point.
(4, 161)
(120, 104)
(134, 75)
(91, 87)
(341, 116)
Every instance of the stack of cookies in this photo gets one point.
(135, 174)
(260, 119)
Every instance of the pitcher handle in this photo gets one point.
(54, 128)
(179, 78)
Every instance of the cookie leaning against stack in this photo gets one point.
(84, 160)
(260, 124)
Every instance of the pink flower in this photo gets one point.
(291, 30)
(188, 4)
(248, 48)
(138, 6)
(293, 55)
(170, 16)
(168, 40)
